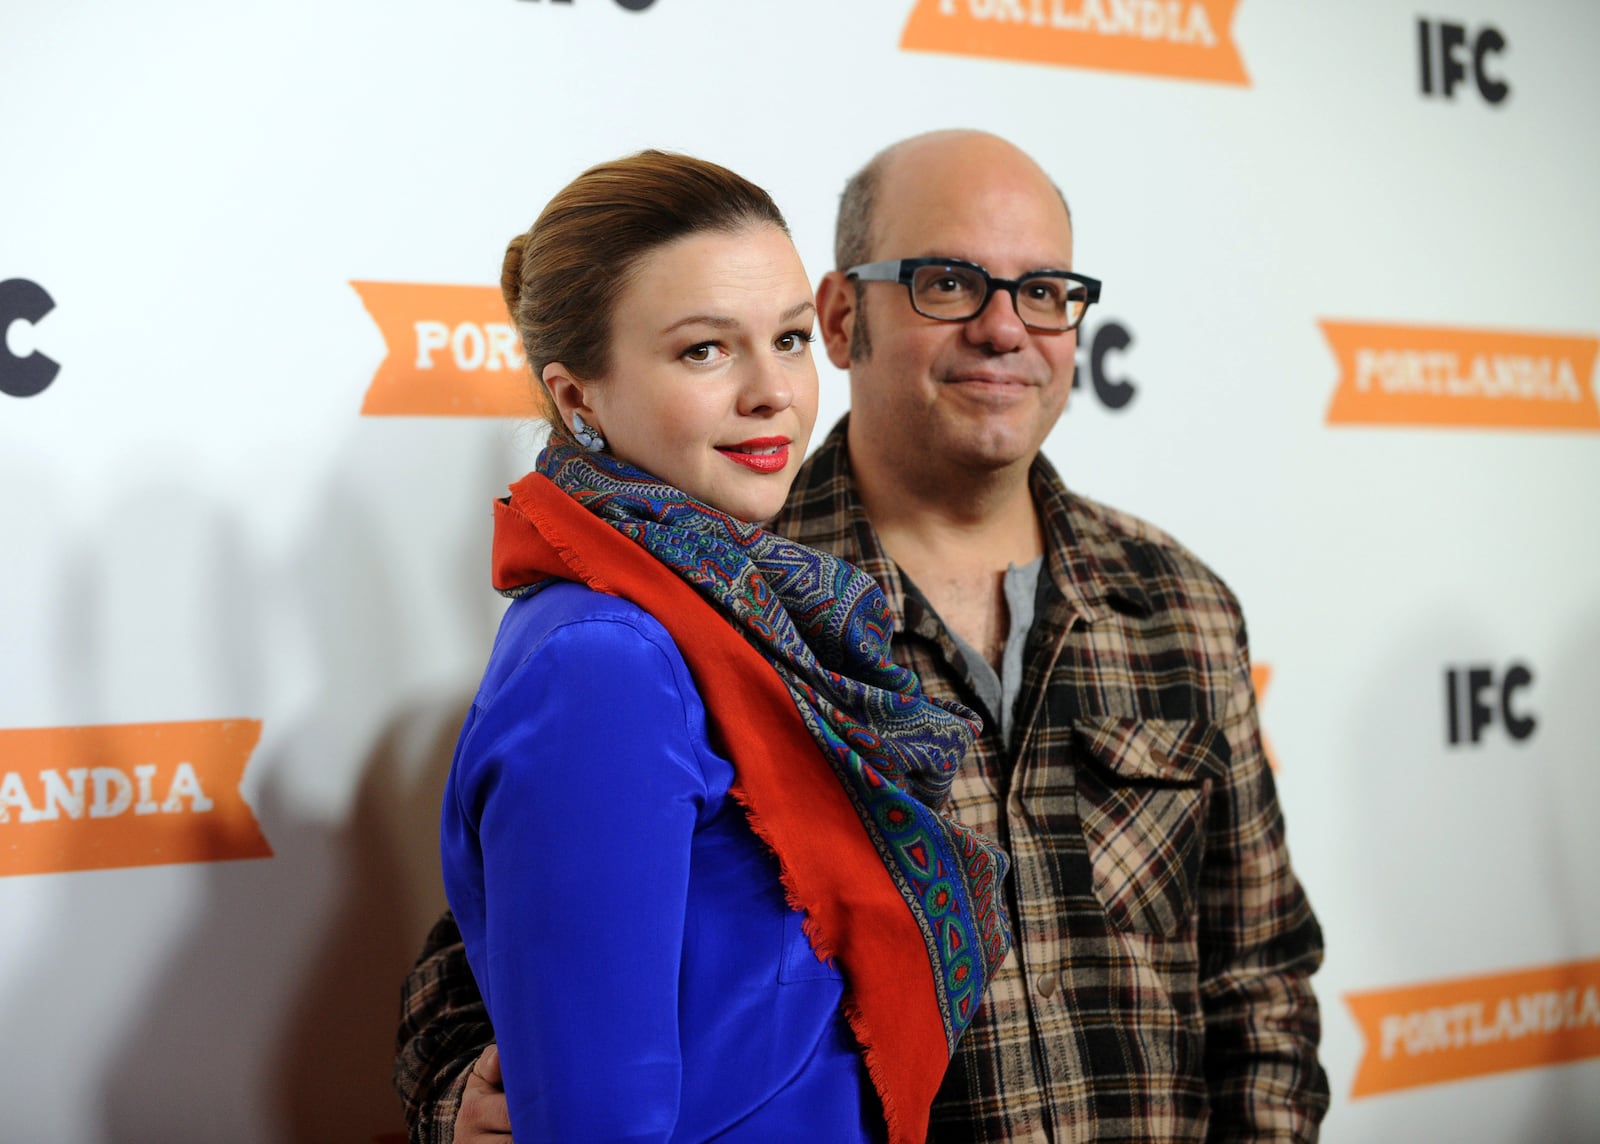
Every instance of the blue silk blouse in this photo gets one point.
(645, 978)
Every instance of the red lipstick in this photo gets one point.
(763, 454)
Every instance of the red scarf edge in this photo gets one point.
(802, 815)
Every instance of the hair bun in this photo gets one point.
(511, 275)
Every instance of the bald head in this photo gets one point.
(941, 407)
(919, 161)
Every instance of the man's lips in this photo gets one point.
(996, 390)
(763, 454)
(995, 380)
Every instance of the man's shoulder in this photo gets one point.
(1124, 547)
(1134, 532)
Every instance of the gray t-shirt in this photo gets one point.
(999, 692)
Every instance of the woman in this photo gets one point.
(690, 832)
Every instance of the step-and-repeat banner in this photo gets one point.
(257, 390)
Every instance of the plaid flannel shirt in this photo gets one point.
(1158, 988)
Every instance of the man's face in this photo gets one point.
(980, 394)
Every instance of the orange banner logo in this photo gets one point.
(143, 794)
(1260, 677)
(1441, 377)
(1174, 39)
(452, 352)
(1468, 1027)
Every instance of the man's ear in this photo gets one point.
(568, 394)
(836, 315)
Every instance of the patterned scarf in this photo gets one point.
(824, 627)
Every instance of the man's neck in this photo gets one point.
(955, 539)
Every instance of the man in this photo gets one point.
(1159, 987)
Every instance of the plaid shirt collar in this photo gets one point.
(1091, 566)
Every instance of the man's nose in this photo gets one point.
(998, 325)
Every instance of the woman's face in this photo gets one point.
(712, 386)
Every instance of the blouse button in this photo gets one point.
(1046, 984)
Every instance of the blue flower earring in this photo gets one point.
(587, 436)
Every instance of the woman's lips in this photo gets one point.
(763, 454)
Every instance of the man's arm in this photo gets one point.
(1259, 945)
(444, 1028)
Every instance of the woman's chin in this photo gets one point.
(751, 505)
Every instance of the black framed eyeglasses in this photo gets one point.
(950, 290)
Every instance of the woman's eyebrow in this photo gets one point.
(724, 322)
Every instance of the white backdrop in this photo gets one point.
(199, 525)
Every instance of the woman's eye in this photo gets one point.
(793, 341)
(704, 352)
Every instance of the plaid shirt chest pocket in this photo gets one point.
(1143, 789)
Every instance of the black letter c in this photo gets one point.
(24, 301)
(1489, 40)
(1519, 727)
(1108, 338)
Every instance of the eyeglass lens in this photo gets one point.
(955, 293)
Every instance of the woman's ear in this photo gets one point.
(567, 392)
